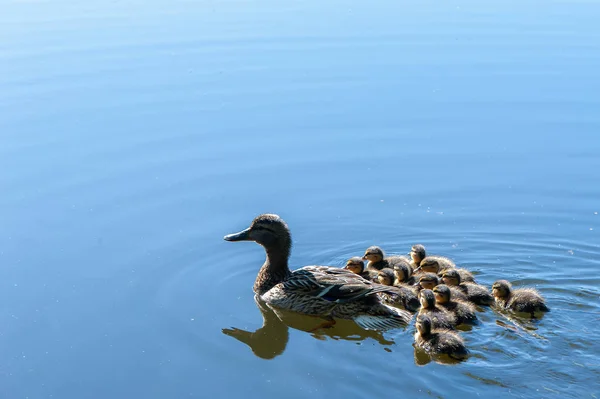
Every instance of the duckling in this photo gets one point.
(463, 311)
(402, 272)
(378, 260)
(524, 300)
(439, 342)
(432, 265)
(357, 266)
(402, 296)
(322, 291)
(417, 254)
(440, 317)
(475, 293)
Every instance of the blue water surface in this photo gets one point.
(134, 135)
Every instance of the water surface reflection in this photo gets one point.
(270, 340)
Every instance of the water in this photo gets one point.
(136, 134)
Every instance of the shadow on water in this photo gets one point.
(270, 340)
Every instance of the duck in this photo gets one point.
(323, 291)
(464, 312)
(356, 265)
(418, 253)
(403, 274)
(521, 300)
(403, 296)
(378, 260)
(478, 294)
(439, 341)
(432, 265)
(440, 317)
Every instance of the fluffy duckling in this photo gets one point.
(475, 293)
(440, 317)
(378, 260)
(357, 266)
(417, 254)
(525, 300)
(463, 311)
(439, 342)
(432, 265)
(403, 274)
(402, 296)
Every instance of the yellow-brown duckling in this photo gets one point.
(357, 266)
(439, 341)
(523, 300)
(418, 253)
(464, 312)
(440, 317)
(378, 260)
(403, 274)
(478, 294)
(432, 265)
(401, 296)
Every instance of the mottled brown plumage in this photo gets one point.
(323, 291)
(439, 341)
(523, 300)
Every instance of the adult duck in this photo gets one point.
(323, 291)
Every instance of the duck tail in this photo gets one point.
(388, 319)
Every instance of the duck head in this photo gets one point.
(268, 230)
(355, 265)
(442, 293)
(417, 253)
(501, 289)
(373, 254)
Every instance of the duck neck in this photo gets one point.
(274, 270)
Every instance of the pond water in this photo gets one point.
(134, 135)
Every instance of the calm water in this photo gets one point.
(134, 135)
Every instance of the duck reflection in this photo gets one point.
(270, 340)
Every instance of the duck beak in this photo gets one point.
(417, 269)
(243, 235)
(364, 257)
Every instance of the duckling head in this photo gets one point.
(428, 281)
(501, 289)
(442, 293)
(417, 253)
(429, 265)
(402, 272)
(355, 265)
(268, 230)
(451, 278)
(386, 276)
(423, 325)
(373, 254)
(427, 299)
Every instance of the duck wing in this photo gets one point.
(331, 283)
